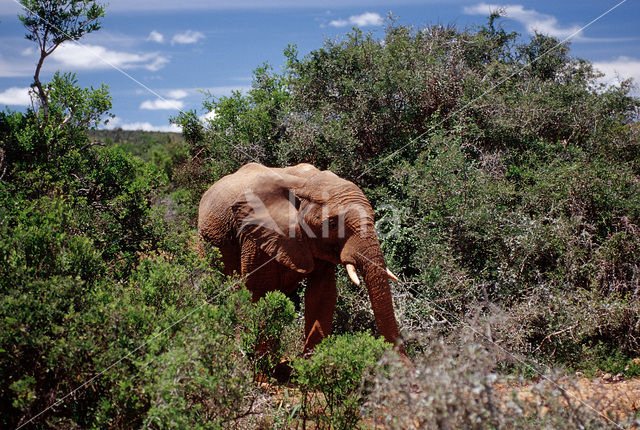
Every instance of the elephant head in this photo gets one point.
(300, 215)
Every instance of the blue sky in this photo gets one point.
(157, 56)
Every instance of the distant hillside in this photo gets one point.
(163, 149)
(138, 142)
(134, 136)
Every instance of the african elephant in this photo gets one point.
(278, 226)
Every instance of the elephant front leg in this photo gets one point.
(319, 305)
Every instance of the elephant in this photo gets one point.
(278, 226)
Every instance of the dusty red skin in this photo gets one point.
(277, 227)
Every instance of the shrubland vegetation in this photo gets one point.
(507, 187)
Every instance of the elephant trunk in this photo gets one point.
(367, 257)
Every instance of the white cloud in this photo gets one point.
(141, 125)
(147, 126)
(98, 57)
(619, 69)
(158, 63)
(15, 96)
(155, 36)
(366, 19)
(162, 104)
(339, 23)
(187, 37)
(533, 20)
(208, 116)
(177, 94)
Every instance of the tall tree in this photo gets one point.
(49, 23)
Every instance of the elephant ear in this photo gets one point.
(266, 214)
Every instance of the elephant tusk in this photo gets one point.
(351, 271)
(391, 275)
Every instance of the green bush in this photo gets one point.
(201, 379)
(266, 323)
(93, 275)
(337, 369)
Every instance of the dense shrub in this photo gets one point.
(201, 379)
(337, 370)
(266, 324)
(99, 284)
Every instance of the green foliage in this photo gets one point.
(612, 362)
(95, 275)
(57, 21)
(50, 23)
(547, 58)
(60, 144)
(166, 151)
(251, 126)
(201, 380)
(337, 369)
(74, 107)
(67, 313)
(267, 322)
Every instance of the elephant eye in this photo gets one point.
(333, 221)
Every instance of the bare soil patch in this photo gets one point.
(612, 398)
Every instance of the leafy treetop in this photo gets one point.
(49, 23)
